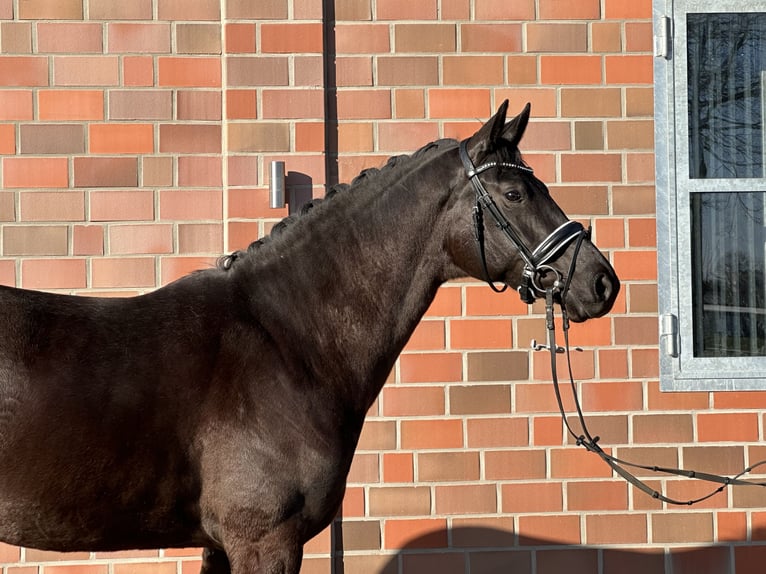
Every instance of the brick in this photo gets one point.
(479, 399)
(156, 171)
(448, 466)
(105, 172)
(53, 274)
(719, 427)
(633, 200)
(549, 529)
(361, 534)
(428, 336)
(514, 464)
(111, 10)
(87, 240)
(190, 138)
(499, 11)
(399, 136)
(481, 334)
(245, 9)
(638, 37)
(482, 37)
(567, 69)
(200, 72)
(459, 103)
(415, 533)
(398, 467)
(583, 366)
(593, 167)
(123, 272)
(200, 238)
(431, 367)
(686, 527)
(577, 463)
(629, 69)
(16, 105)
(404, 70)
(575, 559)
(633, 134)
(140, 105)
(497, 432)
(436, 38)
(403, 10)
(635, 265)
(522, 69)
(199, 10)
(191, 205)
(532, 497)
(636, 331)
(413, 401)
(581, 10)
(618, 10)
(16, 37)
(637, 561)
(362, 39)
(121, 138)
(606, 37)
(662, 428)
(30, 172)
(431, 434)
(69, 37)
(135, 205)
(465, 499)
(400, 501)
(498, 365)
(198, 39)
(86, 71)
(353, 71)
(472, 70)
(250, 71)
(291, 38)
(563, 37)
(591, 102)
(137, 71)
(50, 10)
(602, 396)
(616, 529)
(258, 137)
(501, 561)
(140, 239)
(378, 435)
(35, 240)
(447, 302)
(58, 105)
(148, 568)
(42, 139)
(292, 103)
(52, 206)
(153, 38)
(199, 171)
(198, 105)
(364, 105)
(639, 102)
(78, 569)
(597, 495)
(643, 298)
(23, 71)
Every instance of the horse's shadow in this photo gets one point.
(479, 550)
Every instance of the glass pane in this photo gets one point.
(726, 59)
(728, 287)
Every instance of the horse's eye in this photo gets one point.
(513, 195)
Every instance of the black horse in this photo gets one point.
(223, 410)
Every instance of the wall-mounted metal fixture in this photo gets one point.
(277, 185)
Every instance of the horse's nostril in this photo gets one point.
(602, 287)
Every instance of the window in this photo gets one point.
(710, 91)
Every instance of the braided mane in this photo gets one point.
(366, 176)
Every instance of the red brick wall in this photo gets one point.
(135, 139)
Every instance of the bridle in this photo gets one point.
(537, 263)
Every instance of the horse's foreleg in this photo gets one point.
(278, 552)
(214, 562)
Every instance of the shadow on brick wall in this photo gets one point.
(490, 551)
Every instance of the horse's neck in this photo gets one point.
(352, 284)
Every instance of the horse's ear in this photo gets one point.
(484, 140)
(514, 130)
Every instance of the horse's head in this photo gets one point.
(512, 232)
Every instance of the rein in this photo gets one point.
(590, 442)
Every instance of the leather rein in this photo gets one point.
(536, 264)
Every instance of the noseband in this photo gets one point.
(537, 261)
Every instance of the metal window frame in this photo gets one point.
(679, 369)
